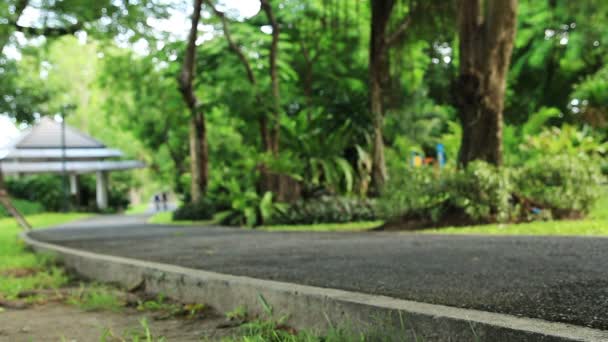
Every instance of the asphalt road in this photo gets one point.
(554, 278)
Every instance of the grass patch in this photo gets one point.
(137, 209)
(588, 227)
(14, 256)
(96, 297)
(143, 334)
(326, 227)
(25, 207)
(166, 217)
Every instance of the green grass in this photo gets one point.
(589, 227)
(24, 206)
(166, 217)
(96, 297)
(137, 209)
(143, 334)
(13, 256)
(325, 227)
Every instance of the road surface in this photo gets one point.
(561, 279)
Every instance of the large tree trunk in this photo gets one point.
(487, 32)
(199, 154)
(378, 75)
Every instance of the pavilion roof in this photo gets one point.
(48, 134)
(40, 149)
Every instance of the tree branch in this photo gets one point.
(48, 31)
(187, 74)
(397, 35)
(233, 46)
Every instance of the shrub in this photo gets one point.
(327, 209)
(249, 209)
(480, 193)
(566, 185)
(197, 211)
(48, 191)
(44, 189)
(562, 186)
(412, 192)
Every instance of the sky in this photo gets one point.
(8, 131)
(177, 24)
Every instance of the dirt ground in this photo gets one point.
(59, 322)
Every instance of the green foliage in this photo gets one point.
(14, 256)
(48, 191)
(44, 189)
(565, 140)
(244, 207)
(327, 209)
(25, 207)
(201, 210)
(412, 191)
(482, 191)
(567, 185)
(553, 186)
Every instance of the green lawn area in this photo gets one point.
(137, 209)
(15, 258)
(325, 227)
(166, 217)
(583, 227)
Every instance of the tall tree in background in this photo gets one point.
(487, 32)
(199, 153)
(274, 78)
(283, 186)
(381, 40)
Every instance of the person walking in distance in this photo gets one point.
(164, 199)
(157, 202)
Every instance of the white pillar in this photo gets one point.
(73, 184)
(102, 189)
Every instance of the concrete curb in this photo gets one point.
(316, 308)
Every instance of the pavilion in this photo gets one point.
(50, 147)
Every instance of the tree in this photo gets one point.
(487, 32)
(274, 79)
(199, 153)
(283, 186)
(380, 41)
